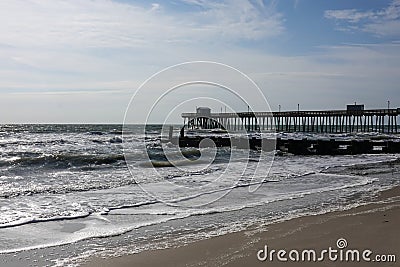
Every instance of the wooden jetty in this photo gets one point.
(353, 119)
(305, 146)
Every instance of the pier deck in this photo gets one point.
(327, 121)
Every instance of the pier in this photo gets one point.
(352, 119)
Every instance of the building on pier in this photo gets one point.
(355, 108)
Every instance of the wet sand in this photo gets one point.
(373, 226)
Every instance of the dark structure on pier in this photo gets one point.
(354, 119)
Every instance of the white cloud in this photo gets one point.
(387, 28)
(104, 23)
(238, 19)
(155, 6)
(351, 15)
(75, 23)
(383, 22)
(87, 45)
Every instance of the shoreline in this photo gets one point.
(373, 226)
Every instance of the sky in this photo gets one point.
(74, 61)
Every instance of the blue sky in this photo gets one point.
(81, 61)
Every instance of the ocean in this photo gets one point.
(69, 192)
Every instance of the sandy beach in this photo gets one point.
(373, 227)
